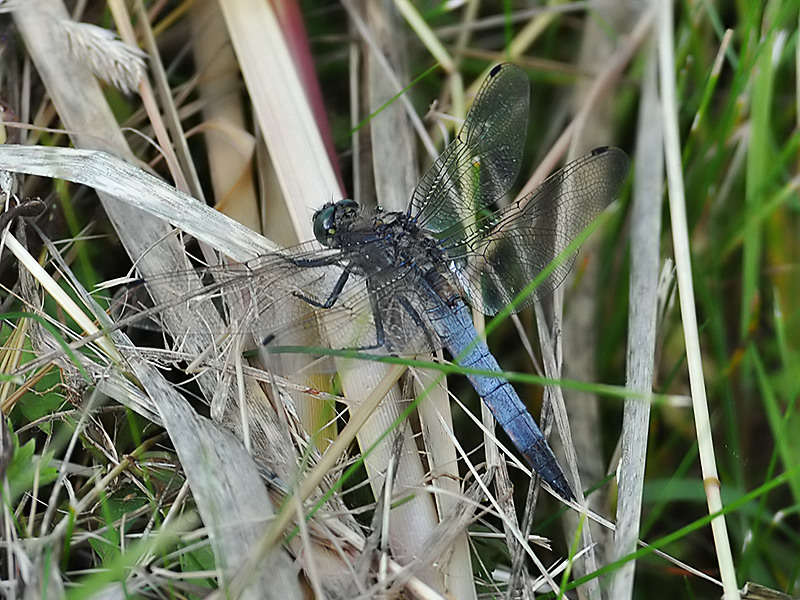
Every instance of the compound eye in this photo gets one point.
(324, 224)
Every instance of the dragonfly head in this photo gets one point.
(331, 220)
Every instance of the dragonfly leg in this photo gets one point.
(380, 332)
(380, 336)
(334, 295)
(414, 314)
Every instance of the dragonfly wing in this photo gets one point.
(381, 313)
(483, 161)
(242, 293)
(499, 256)
(277, 299)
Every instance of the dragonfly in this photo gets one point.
(401, 282)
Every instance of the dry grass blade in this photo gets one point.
(88, 113)
(56, 292)
(131, 185)
(281, 106)
(646, 218)
(680, 237)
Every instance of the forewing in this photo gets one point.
(272, 298)
(502, 254)
(483, 161)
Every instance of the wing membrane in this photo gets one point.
(483, 161)
(270, 298)
(498, 256)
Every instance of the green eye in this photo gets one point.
(323, 223)
(327, 218)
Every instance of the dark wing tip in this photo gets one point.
(621, 156)
(618, 162)
(496, 69)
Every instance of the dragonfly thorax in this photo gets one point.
(383, 240)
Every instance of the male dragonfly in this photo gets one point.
(394, 281)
